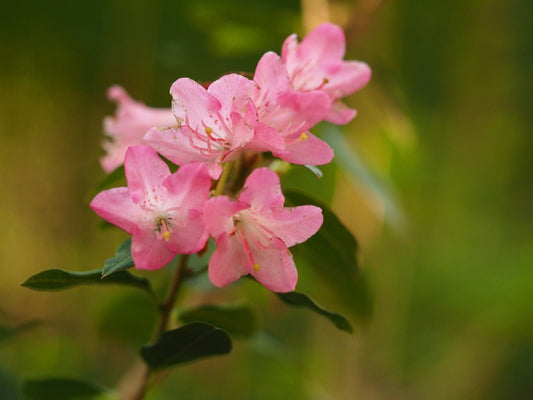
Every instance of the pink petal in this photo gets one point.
(193, 106)
(176, 145)
(144, 171)
(116, 206)
(218, 213)
(293, 225)
(148, 251)
(326, 41)
(262, 190)
(311, 151)
(274, 267)
(188, 190)
(242, 126)
(232, 91)
(271, 79)
(189, 186)
(127, 127)
(340, 114)
(188, 234)
(323, 44)
(279, 105)
(227, 261)
(307, 109)
(346, 78)
(266, 138)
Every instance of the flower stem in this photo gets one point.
(143, 382)
(223, 178)
(168, 304)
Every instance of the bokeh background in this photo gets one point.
(443, 210)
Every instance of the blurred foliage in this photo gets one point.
(446, 122)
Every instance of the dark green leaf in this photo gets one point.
(237, 320)
(122, 260)
(331, 255)
(60, 389)
(300, 177)
(302, 300)
(186, 344)
(7, 331)
(57, 279)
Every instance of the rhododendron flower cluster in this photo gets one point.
(220, 137)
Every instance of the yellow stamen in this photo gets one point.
(257, 267)
(208, 130)
(166, 236)
(304, 136)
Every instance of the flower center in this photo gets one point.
(162, 224)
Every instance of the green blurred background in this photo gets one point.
(444, 125)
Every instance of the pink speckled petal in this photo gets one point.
(148, 251)
(274, 267)
(262, 190)
(218, 213)
(115, 206)
(227, 263)
(144, 171)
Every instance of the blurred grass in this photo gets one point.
(446, 121)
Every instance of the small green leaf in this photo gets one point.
(122, 260)
(57, 279)
(302, 300)
(185, 344)
(237, 320)
(60, 389)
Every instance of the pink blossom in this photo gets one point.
(253, 233)
(128, 126)
(162, 211)
(317, 64)
(290, 112)
(215, 125)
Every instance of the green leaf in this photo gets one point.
(122, 260)
(185, 344)
(57, 279)
(60, 389)
(302, 300)
(333, 248)
(301, 177)
(331, 254)
(237, 320)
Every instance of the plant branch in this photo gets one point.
(140, 375)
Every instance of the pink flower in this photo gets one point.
(128, 126)
(317, 64)
(162, 211)
(253, 233)
(215, 125)
(291, 113)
